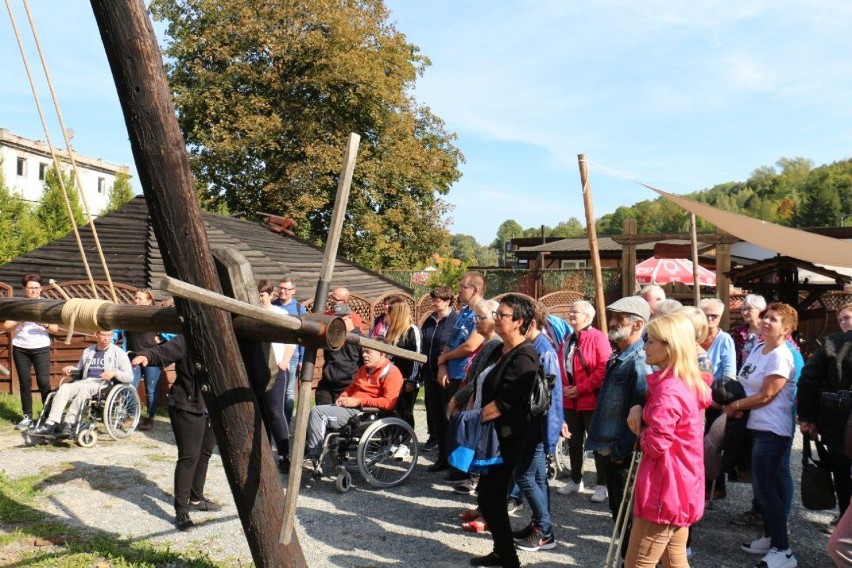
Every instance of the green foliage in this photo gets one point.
(21, 231)
(120, 193)
(507, 230)
(267, 93)
(52, 211)
(449, 273)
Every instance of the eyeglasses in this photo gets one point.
(501, 315)
(440, 299)
(479, 318)
(286, 288)
(712, 317)
(32, 288)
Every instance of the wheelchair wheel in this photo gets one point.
(122, 411)
(387, 452)
(87, 437)
(343, 482)
(563, 461)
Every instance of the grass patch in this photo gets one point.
(39, 539)
(11, 412)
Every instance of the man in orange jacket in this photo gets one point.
(376, 385)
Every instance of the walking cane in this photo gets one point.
(623, 516)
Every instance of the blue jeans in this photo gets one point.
(531, 476)
(785, 478)
(290, 392)
(152, 377)
(771, 481)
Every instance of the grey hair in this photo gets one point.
(706, 302)
(667, 306)
(488, 306)
(652, 288)
(586, 307)
(755, 301)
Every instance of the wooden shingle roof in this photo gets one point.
(134, 258)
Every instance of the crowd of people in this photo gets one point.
(670, 406)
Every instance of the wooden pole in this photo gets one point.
(163, 166)
(600, 302)
(297, 448)
(693, 237)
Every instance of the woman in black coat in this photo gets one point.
(506, 401)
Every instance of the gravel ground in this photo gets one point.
(125, 488)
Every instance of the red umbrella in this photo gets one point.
(665, 270)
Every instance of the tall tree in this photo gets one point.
(506, 231)
(267, 93)
(51, 212)
(570, 228)
(120, 193)
(21, 232)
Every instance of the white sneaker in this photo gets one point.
(570, 488)
(759, 546)
(25, 423)
(401, 452)
(778, 559)
(599, 496)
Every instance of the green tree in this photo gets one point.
(21, 232)
(464, 248)
(570, 228)
(120, 193)
(52, 212)
(820, 206)
(267, 93)
(507, 230)
(486, 256)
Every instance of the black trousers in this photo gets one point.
(274, 416)
(616, 484)
(840, 465)
(326, 395)
(491, 501)
(578, 423)
(436, 407)
(24, 360)
(195, 441)
(405, 404)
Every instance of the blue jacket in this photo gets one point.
(552, 421)
(471, 445)
(623, 387)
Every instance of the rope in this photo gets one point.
(53, 154)
(83, 311)
(71, 157)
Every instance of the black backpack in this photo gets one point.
(541, 394)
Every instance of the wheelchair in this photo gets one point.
(116, 405)
(378, 445)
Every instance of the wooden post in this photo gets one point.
(600, 302)
(696, 288)
(163, 166)
(723, 284)
(297, 447)
(628, 258)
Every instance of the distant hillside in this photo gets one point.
(793, 193)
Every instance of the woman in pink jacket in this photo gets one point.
(669, 491)
(582, 364)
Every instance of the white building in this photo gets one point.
(24, 163)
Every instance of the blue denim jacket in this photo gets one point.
(623, 386)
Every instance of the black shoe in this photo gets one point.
(204, 505)
(490, 559)
(183, 522)
(67, 431)
(456, 477)
(438, 466)
(44, 430)
(284, 466)
(429, 446)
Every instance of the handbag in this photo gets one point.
(817, 486)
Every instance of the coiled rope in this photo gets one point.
(82, 312)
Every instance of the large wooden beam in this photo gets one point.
(162, 162)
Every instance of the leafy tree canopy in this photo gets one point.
(120, 193)
(267, 93)
(52, 211)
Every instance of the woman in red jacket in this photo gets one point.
(582, 365)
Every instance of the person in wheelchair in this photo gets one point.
(98, 364)
(377, 384)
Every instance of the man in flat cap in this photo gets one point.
(623, 387)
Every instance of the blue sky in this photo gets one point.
(681, 95)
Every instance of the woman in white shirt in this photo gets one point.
(768, 376)
(31, 348)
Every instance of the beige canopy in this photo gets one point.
(790, 242)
